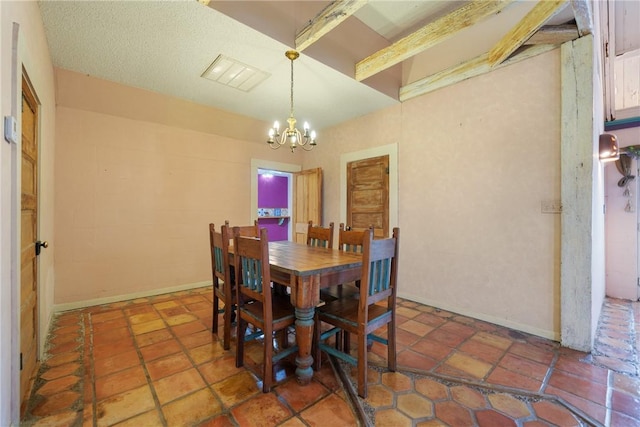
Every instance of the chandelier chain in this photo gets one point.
(292, 88)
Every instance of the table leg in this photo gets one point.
(304, 337)
(305, 294)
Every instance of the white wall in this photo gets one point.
(621, 225)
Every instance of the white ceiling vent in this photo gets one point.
(230, 72)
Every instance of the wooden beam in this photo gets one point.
(428, 36)
(584, 18)
(524, 29)
(472, 68)
(554, 34)
(330, 17)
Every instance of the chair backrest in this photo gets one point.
(379, 269)
(220, 256)
(350, 240)
(251, 260)
(246, 230)
(320, 236)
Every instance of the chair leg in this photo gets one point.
(315, 350)
(215, 311)
(362, 365)
(340, 340)
(267, 376)
(391, 345)
(226, 344)
(242, 328)
(282, 339)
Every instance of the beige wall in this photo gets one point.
(32, 53)
(475, 162)
(137, 187)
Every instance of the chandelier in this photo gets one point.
(291, 135)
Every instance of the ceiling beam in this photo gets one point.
(472, 68)
(330, 17)
(554, 34)
(524, 29)
(584, 19)
(428, 36)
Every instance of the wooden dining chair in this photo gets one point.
(320, 236)
(268, 312)
(223, 288)
(375, 308)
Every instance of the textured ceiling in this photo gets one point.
(164, 46)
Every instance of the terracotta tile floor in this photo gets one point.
(154, 362)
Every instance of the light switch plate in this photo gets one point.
(551, 206)
(11, 129)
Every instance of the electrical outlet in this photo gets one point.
(551, 206)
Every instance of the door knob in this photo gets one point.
(40, 245)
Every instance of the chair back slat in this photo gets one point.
(252, 274)
(321, 237)
(219, 260)
(380, 276)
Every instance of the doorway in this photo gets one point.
(281, 169)
(274, 203)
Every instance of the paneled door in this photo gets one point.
(29, 233)
(307, 202)
(368, 194)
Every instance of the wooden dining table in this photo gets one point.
(305, 270)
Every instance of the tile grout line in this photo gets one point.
(550, 369)
(607, 406)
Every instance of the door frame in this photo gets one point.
(390, 150)
(257, 164)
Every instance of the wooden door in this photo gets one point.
(307, 202)
(368, 194)
(29, 234)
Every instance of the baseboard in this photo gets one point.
(551, 335)
(117, 298)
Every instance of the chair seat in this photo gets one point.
(281, 308)
(345, 310)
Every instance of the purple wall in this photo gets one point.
(273, 193)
